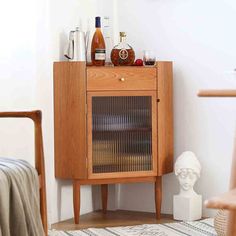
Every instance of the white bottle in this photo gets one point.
(88, 41)
(108, 39)
(79, 46)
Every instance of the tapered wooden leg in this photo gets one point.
(158, 196)
(76, 200)
(231, 224)
(104, 190)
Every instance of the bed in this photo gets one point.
(36, 117)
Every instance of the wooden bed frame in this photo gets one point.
(36, 116)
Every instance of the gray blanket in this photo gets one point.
(19, 199)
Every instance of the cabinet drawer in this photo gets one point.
(121, 78)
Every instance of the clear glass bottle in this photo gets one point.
(122, 54)
(108, 39)
(98, 48)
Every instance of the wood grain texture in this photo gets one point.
(118, 180)
(226, 201)
(113, 218)
(104, 193)
(70, 120)
(158, 196)
(165, 117)
(125, 174)
(73, 141)
(121, 78)
(36, 116)
(231, 224)
(40, 166)
(76, 200)
(217, 93)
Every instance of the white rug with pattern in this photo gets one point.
(196, 228)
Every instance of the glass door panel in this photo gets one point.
(122, 134)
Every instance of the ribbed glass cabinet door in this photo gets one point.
(122, 134)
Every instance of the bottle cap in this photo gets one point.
(98, 22)
(122, 34)
(106, 22)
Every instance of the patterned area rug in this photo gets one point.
(196, 228)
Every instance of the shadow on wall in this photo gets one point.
(63, 40)
(65, 189)
(113, 197)
(60, 185)
(96, 196)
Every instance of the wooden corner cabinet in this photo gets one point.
(113, 125)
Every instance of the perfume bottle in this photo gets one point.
(122, 54)
(98, 48)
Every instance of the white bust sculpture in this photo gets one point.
(187, 204)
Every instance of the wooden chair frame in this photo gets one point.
(36, 116)
(226, 201)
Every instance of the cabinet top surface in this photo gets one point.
(120, 67)
(89, 66)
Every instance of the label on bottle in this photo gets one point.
(100, 54)
(123, 54)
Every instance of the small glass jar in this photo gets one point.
(149, 58)
(122, 54)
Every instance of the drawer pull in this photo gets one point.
(122, 79)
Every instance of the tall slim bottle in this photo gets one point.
(98, 48)
(108, 39)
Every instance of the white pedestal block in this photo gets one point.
(187, 208)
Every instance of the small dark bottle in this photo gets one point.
(98, 48)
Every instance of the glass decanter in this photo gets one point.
(122, 54)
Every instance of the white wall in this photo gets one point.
(199, 37)
(61, 17)
(17, 68)
(33, 36)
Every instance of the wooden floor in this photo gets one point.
(112, 218)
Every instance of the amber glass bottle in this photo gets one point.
(98, 48)
(122, 54)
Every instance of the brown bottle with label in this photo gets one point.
(98, 48)
(122, 54)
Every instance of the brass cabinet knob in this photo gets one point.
(122, 79)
